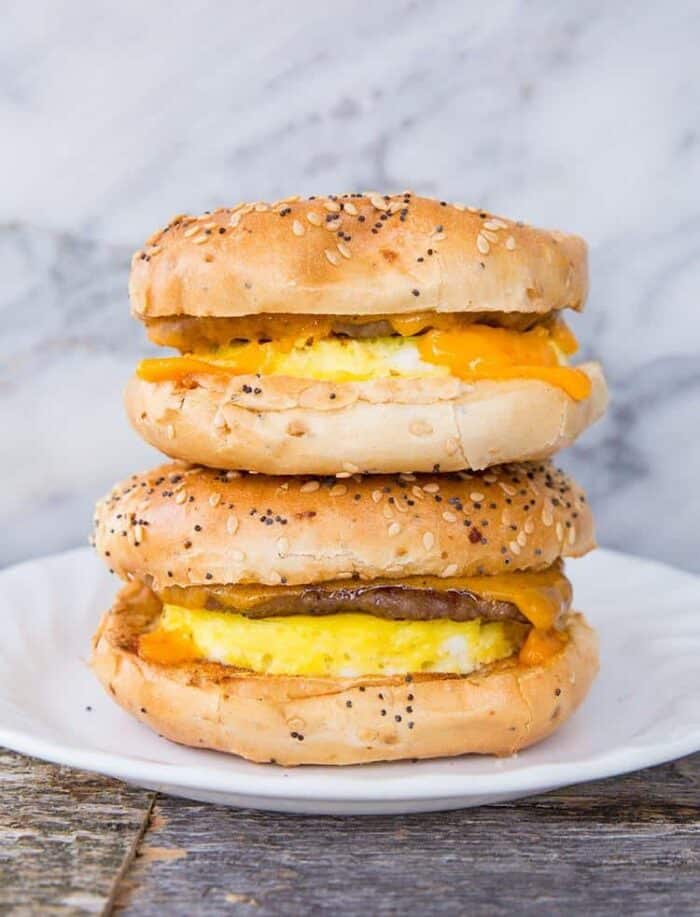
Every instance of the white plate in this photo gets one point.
(643, 709)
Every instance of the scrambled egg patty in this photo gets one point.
(338, 360)
(344, 645)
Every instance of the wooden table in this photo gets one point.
(73, 843)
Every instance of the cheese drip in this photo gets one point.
(473, 353)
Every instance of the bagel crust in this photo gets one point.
(182, 525)
(280, 425)
(296, 720)
(359, 254)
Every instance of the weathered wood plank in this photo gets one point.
(64, 836)
(631, 842)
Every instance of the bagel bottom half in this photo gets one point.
(298, 720)
(280, 425)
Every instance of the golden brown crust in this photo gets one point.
(280, 425)
(188, 525)
(294, 720)
(366, 254)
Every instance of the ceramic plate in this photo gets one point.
(643, 709)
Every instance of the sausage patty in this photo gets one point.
(396, 602)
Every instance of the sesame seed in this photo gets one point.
(476, 497)
(191, 231)
(232, 525)
(261, 207)
(431, 488)
(510, 243)
(200, 240)
(348, 466)
(344, 250)
(450, 570)
(181, 496)
(492, 224)
(482, 244)
(514, 547)
(491, 236)
(274, 578)
(438, 236)
(236, 218)
(297, 228)
(449, 517)
(314, 218)
(428, 541)
(170, 429)
(559, 529)
(138, 534)
(420, 428)
(378, 202)
(387, 512)
(376, 496)
(331, 256)
(393, 529)
(338, 490)
(309, 487)
(343, 474)
(350, 208)
(331, 206)
(214, 499)
(460, 207)
(521, 539)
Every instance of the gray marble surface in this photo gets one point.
(583, 115)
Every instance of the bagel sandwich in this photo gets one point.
(360, 333)
(316, 621)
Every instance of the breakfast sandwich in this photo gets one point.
(324, 621)
(360, 333)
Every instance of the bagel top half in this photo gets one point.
(181, 525)
(348, 254)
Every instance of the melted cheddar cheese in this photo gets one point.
(474, 352)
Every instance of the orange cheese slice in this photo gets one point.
(473, 353)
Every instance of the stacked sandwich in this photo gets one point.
(357, 552)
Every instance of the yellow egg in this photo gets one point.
(341, 360)
(343, 644)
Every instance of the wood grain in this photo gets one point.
(72, 843)
(632, 842)
(64, 837)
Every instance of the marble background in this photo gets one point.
(114, 116)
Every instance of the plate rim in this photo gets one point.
(344, 788)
